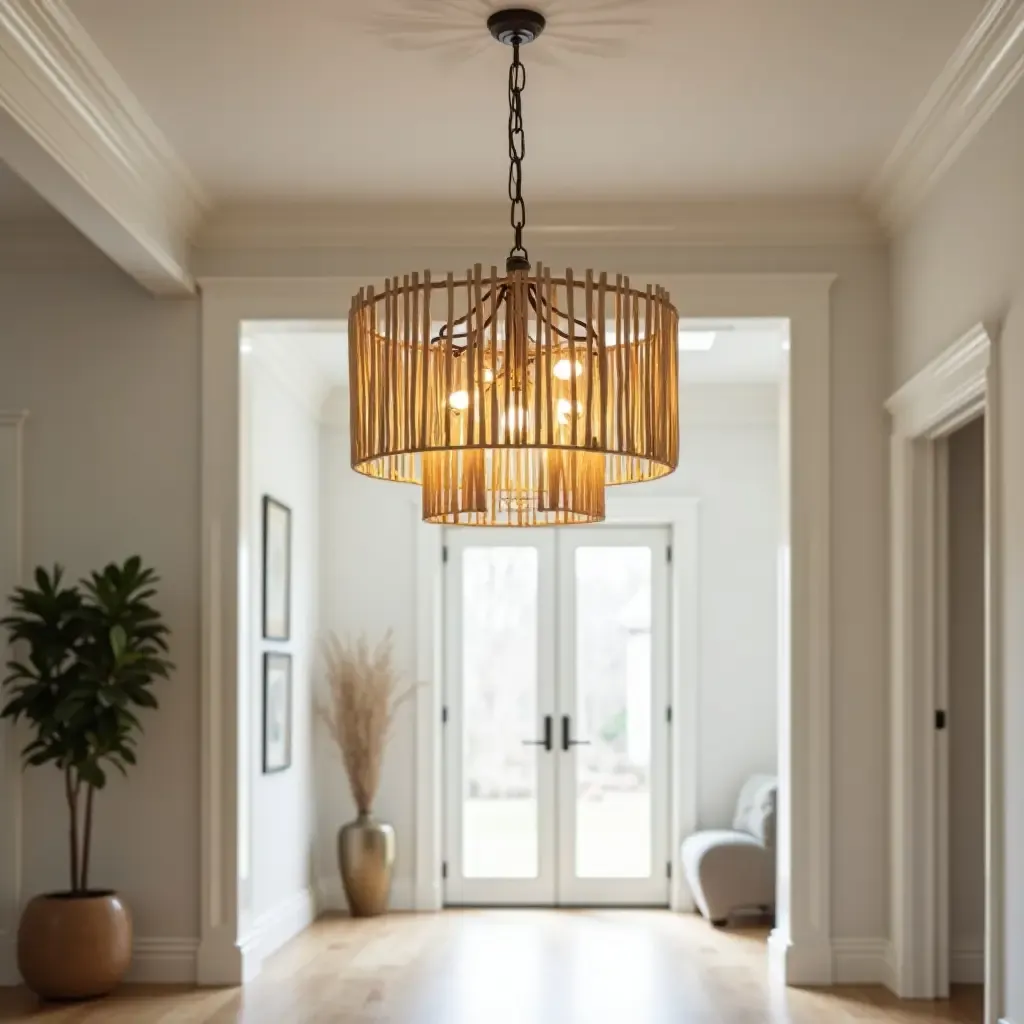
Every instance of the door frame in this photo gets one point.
(957, 386)
(680, 515)
(800, 947)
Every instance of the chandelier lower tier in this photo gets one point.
(514, 399)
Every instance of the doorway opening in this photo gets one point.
(947, 774)
(961, 714)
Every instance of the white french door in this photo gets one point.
(556, 716)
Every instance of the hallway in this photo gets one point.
(508, 967)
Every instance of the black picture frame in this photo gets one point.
(277, 569)
(277, 712)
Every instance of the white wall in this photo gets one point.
(967, 699)
(110, 379)
(728, 458)
(861, 381)
(961, 260)
(282, 445)
(367, 582)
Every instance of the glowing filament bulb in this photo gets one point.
(563, 369)
(459, 400)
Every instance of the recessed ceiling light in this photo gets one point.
(696, 341)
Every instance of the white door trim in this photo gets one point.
(801, 943)
(681, 516)
(952, 389)
(12, 568)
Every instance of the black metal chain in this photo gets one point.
(516, 148)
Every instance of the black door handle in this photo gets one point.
(546, 742)
(567, 740)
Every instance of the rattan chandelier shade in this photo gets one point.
(513, 399)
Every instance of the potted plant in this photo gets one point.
(363, 700)
(85, 657)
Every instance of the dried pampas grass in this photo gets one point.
(363, 700)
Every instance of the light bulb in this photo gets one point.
(564, 407)
(459, 400)
(488, 375)
(563, 369)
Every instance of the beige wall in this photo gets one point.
(110, 379)
(967, 696)
(961, 260)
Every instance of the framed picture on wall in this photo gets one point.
(277, 569)
(277, 711)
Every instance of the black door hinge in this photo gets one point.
(940, 719)
(444, 716)
(668, 869)
(668, 715)
(668, 554)
(444, 869)
(444, 553)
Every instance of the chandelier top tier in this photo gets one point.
(514, 398)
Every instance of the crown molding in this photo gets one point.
(70, 126)
(755, 222)
(981, 73)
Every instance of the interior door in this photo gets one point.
(500, 708)
(614, 724)
(556, 734)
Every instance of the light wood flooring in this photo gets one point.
(507, 967)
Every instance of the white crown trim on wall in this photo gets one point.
(770, 221)
(75, 131)
(983, 70)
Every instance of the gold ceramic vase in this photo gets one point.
(366, 852)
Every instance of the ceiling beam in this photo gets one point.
(71, 128)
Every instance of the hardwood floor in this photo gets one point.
(507, 967)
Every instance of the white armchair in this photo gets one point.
(734, 869)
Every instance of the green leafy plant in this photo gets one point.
(86, 656)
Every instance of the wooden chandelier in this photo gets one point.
(515, 399)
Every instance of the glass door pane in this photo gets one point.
(613, 712)
(500, 773)
(614, 597)
(499, 704)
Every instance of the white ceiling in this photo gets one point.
(625, 99)
(743, 351)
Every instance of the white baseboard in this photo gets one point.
(274, 927)
(330, 897)
(967, 964)
(802, 963)
(157, 961)
(219, 959)
(862, 962)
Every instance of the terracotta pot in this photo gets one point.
(74, 945)
(366, 852)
